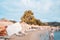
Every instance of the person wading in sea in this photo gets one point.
(51, 36)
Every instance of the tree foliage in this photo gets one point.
(29, 18)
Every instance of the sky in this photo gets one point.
(45, 10)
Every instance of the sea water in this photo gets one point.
(57, 35)
(45, 35)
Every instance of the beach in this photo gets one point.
(32, 35)
(30, 32)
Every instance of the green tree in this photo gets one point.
(29, 18)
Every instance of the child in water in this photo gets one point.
(51, 36)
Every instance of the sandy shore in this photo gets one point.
(30, 35)
(32, 32)
(40, 33)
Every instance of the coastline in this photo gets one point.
(32, 32)
(37, 33)
(32, 35)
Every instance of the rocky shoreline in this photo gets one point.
(31, 35)
(32, 32)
